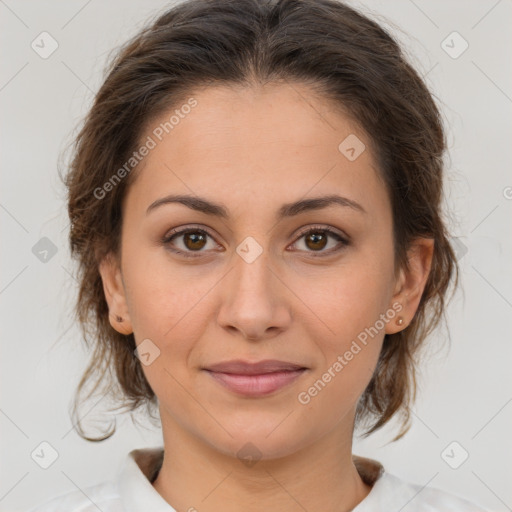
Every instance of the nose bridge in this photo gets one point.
(252, 273)
(252, 302)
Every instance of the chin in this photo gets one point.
(256, 439)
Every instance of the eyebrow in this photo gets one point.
(287, 210)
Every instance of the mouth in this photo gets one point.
(255, 379)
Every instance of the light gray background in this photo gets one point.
(465, 392)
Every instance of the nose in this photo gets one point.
(254, 300)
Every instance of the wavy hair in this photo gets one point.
(347, 58)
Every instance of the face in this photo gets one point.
(311, 285)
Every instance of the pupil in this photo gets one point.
(195, 239)
(315, 238)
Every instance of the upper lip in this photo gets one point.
(240, 367)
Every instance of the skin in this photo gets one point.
(254, 149)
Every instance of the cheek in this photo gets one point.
(349, 300)
(168, 317)
(164, 299)
(333, 394)
(349, 358)
(350, 304)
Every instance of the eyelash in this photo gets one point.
(314, 229)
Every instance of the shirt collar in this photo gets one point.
(134, 481)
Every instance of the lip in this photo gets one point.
(255, 379)
(240, 367)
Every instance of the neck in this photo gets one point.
(321, 476)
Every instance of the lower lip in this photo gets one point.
(256, 385)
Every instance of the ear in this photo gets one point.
(411, 283)
(115, 294)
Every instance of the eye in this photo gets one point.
(192, 240)
(195, 240)
(316, 238)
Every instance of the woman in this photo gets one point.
(255, 205)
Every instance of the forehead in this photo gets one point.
(272, 143)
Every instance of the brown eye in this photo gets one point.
(194, 240)
(186, 242)
(316, 239)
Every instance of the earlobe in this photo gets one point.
(411, 283)
(115, 294)
(120, 324)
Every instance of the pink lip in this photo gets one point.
(256, 385)
(255, 379)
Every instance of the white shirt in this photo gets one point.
(132, 491)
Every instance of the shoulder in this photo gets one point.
(102, 496)
(411, 497)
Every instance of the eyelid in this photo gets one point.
(326, 228)
(181, 230)
(331, 231)
(184, 230)
(343, 240)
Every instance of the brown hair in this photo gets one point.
(344, 56)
